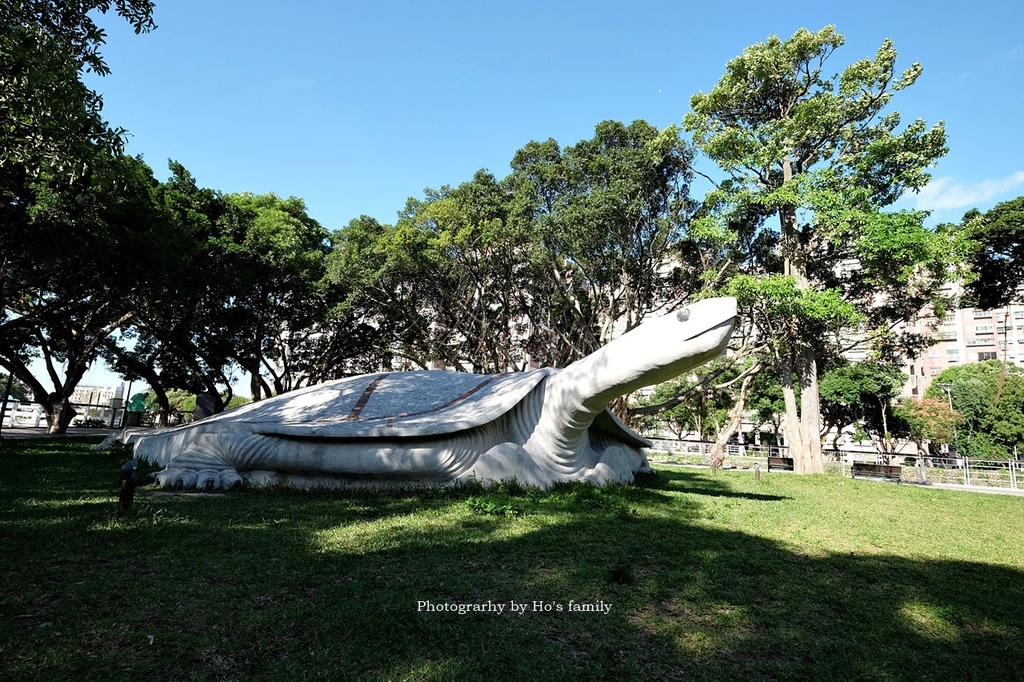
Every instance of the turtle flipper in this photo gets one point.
(616, 465)
(213, 461)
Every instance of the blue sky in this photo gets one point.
(357, 106)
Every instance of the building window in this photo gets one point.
(978, 314)
(983, 329)
(987, 355)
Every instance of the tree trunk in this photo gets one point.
(794, 431)
(255, 380)
(731, 424)
(59, 415)
(810, 413)
(807, 452)
(164, 403)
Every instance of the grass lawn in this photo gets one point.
(706, 576)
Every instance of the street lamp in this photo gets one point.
(948, 388)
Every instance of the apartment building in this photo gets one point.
(969, 335)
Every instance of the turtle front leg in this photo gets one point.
(214, 461)
(616, 465)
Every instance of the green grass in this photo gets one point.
(708, 577)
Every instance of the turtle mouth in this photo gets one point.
(725, 325)
(709, 317)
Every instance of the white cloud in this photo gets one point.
(945, 193)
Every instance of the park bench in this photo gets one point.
(780, 464)
(882, 471)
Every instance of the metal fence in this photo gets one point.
(985, 473)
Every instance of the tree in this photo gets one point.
(610, 213)
(273, 252)
(862, 393)
(83, 287)
(997, 241)
(991, 403)
(184, 332)
(575, 245)
(819, 154)
(58, 165)
(455, 272)
(930, 420)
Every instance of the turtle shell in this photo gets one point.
(394, 405)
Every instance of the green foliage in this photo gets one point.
(820, 152)
(543, 263)
(50, 121)
(991, 399)
(930, 420)
(862, 394)
(996, 254)
(786, 308)
(66, 304)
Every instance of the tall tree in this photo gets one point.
(819, 153)
(184, 332)
(576, 245)
(610, 212)
(992, 405)
(274, 253)
(57, 192)
(85, 285)
(862, 393)
(996, 246)
(466, 271)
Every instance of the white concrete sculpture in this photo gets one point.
(439, 428)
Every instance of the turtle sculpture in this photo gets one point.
(440, 428)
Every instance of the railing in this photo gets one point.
(31, 415)
(982, 473)
(699, 454)
(964, 471)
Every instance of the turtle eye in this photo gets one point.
(683, 315)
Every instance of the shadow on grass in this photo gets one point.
(289, 585)
(709, 485)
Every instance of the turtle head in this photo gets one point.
(687, 338)
(655, 351)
